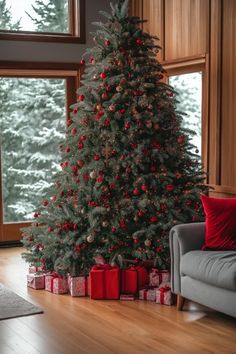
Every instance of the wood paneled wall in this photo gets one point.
(196, 29)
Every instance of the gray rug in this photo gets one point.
(12, 305)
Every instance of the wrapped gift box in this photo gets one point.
(157, 276)
(56, 284)
(127, 297)
(164, 296)
(133, 279)
(78, 286)
(33, 269)
(104, 282)
(36, 281)
(148, 294)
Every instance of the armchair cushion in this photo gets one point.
(217, 268)
(220, 223)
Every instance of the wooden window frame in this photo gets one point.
(190, 65)
(76, 32)
(10, 232)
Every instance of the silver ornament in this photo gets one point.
(148, 243)
(105, 223)
(90, 238)
(93, 174)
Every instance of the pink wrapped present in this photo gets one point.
(157, 276)
(148, 294)
(164, 296)
(33, 269)
(56, 284)
(78, 286)
(36, 281)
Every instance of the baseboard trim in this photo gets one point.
(7, 244)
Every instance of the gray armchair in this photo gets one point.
(206, 277)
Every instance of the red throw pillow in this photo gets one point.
(220, 223)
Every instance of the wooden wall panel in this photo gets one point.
(186, 28)
(136, 8)
(153, 12)
(228, 124)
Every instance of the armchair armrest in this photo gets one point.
(183, 238)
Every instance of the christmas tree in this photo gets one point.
(129, 171)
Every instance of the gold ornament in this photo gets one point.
(90, 238)
(105, 223)
(119, 88)
(147, 243)
(93, 174)
(112, 108)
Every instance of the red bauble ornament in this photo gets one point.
(136, 241)
(112, 186)
(86, 177)
(144, 188)
(122, 111)
(113, 152)
(100, 179)
(113, 229)
(171, 94)
(107, 43)
(73, 131)
(103, 76)
(82, 61)
(134, 146)
(153, 219)
(117, 177)
(161, 77)
(107, 122)
(75, 110)
(127, 125)
(181, 139)
(156, 145)
(99, 115)
(74, 168)
(49, 229)
(45, 203)
(69, 122)
(138, 93)
(80, 145)
(153, 168)
(140, 213)
(122, 157)
(139, 41)
(36, 215)
(123, 224)
(158, 249)
(96, 157)
(83, 137)
(136, 191)
(104, 96)
(170, 187)
(67, 150)
(81, 97)
(80, 163)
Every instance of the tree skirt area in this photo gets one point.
(12, 305)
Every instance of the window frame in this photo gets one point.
(10, 232)
(76, 32)
(190, 65)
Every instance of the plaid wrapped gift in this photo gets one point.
(157, 276)
(78, 286)
(148, 294)
(164, 296)
(56, 284)
(36, 281)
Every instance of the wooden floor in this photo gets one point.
(80, 325)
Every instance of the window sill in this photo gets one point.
(57, 38)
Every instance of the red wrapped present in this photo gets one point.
(56, 284)
(133, 279)
(104, 282)
(33, 269)
(148, 294)
(78, 286)
(157, 276)
(127, 297)
(164, 296)
(36, 281)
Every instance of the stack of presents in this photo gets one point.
(105, 282)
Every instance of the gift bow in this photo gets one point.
(163, 290)
(54, 276)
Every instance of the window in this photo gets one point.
(43, 20)
(189, 96)
(35, 104)
(189, 78)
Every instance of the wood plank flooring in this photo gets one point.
(80, 325)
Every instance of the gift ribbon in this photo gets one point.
(53, 277)
(163, 290)
(104, 267)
